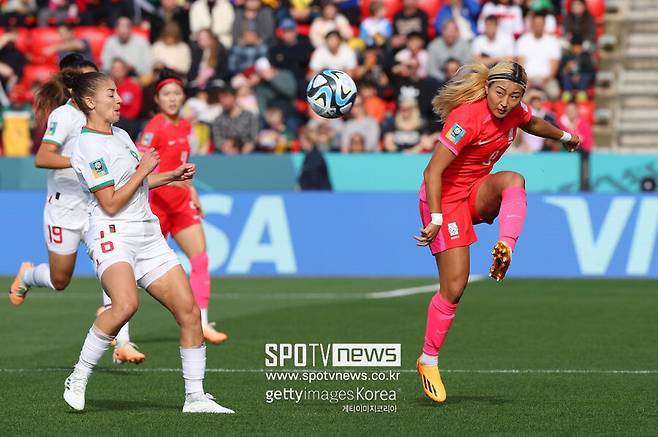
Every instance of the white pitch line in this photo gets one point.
(273, 370)
(413, 290)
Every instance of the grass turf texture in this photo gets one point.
(518, 324)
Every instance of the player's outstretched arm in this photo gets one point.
(47, 157)
(112, 201)
(542, 128)
(183, 173)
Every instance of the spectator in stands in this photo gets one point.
(330, 20)
(235, 130)
(571, 121)
(169, 12)
(356, 144)
(244, 54)
(449, 45)
(253, 17)
(408, 20)
(576, 71)
(464, 13)
(12, 63)
(328, 132)
(579, 22)
(299, 10)
(216, 15)
(376, 29)
(414, 52)
(171, 51)
(360, 123)
(493, 45)
(68, 43)
(57, 11)
(292, 52)
(131, 98)
(275, 88)
(245, 97)
(17, 13)
(409, 84)
(334, 54)
(509, 14)
(373, 68)
(209, 60)
(374, 105)
(545, 8)
(134, 49)
(536, 99)
(314, 174)
(540, 53)
(408, 132)
(275, 137)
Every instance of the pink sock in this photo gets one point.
(512, 215)
(200, 280)
(440, 314)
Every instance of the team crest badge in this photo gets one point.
(52, 127)
(98, 168)
(455, 133)
(147, 138)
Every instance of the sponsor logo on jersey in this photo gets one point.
(453, 230)
(147, 138)
(52, 127)
(455, 133)
(98, 168)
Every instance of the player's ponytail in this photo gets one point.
(48, 97)
(82, 85)
(470, 82)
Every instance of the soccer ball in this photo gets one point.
(331, 93)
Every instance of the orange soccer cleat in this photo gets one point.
(431, 380)
(502, 258)
(127, 353)
(213, 336)
(18, 288)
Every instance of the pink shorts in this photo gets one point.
(458, 220)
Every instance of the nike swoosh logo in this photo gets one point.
(512, 216)
(482, 143)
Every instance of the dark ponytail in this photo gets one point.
(49, 96)
(82, 85)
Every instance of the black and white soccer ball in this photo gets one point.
(331, 93)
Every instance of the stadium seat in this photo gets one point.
(392, 7)
(23, 40)
(42, 37)
(36, 73)
(95, 36)
(431, 8)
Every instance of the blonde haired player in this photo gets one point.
(125, 242)
(65, 213)
(481, 109)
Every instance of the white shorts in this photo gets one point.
(139, 244)
(63, 227)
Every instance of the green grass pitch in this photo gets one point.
(524, 357)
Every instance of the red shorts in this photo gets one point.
(174, 209)
(458, 220)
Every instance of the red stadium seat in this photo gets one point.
(23, 40)
(431, 8)
(95, 36)
(37, 74)
(42, 37)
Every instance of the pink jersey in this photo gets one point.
(478, 140)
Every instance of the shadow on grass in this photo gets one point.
(146, 340)
(490, 400)
(104, 405)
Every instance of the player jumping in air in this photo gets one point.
(177, 205)
(481, 109)
(125, 241)
(65, 213)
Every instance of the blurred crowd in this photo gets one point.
(247, 63)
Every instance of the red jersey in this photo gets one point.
(170, 140)
(478, 140)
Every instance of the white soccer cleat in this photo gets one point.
(203, 403)
(74, 392)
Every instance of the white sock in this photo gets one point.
(93, 349)
(106, 299)
(123, 336)
(194, 368)
(429, 360)
(38, 276)
(204, 316)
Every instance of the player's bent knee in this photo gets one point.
(60, 281)
(515, 179)
(188, 316)
(453, 290)
(125, 310)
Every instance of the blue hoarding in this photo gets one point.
(371, 234)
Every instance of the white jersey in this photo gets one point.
(108, 160)
(63, 130)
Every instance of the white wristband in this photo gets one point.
(437, 218)
(566, 137)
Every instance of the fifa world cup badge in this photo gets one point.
(455, 133)
(98, 168)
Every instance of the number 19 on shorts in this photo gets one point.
(55, 234)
